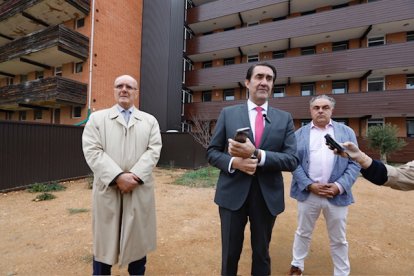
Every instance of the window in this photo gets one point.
(376, 84)
(228, 94)
(307, 89)
(278, 54)
(229, 61)
(339, 87)
(410, 127)
(22, 115)
(279, 91)
(410, 82)
(58, 71)
(186, 97)
(339, 46)
(304, 122)
(410, 36)
(374, 122)
(39, 75)
(308, 51)
(187, 35)
(10, 81)
(376, 41)
(342, 121)
(23, 78)
(37, 114)
(78, 67)
(188, 66)
(253, 58)
(79, 23)
(9, 115)
(207, 64)
(208, 33)
(206, 96)
(76, 111)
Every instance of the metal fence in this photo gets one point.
(37, 153)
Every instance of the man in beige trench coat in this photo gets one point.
(122, 151)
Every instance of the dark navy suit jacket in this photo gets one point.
(278, 141)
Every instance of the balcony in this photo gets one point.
(329, 26)
(19, 18)
(382, 60)
(41, 50)
(46, 93)
(391, 103)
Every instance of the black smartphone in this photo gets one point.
(242, 134)
(333, 144)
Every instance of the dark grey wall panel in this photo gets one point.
(161, 61)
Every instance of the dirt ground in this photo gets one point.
(43, 238)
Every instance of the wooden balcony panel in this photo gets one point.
(356, 60)
(57, 90)
(12, 7)
(353, 17)
(391, 103)
(58, 35)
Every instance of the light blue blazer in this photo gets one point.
(344, 172)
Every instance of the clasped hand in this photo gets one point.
(328, 190)
(127, 182)
(242, 153)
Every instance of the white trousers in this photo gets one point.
(335, 216)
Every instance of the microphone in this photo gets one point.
(266, 118)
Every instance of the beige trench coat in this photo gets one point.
(124, 226)
(401, 178)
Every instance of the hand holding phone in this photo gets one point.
(332, 144)
(242, 134)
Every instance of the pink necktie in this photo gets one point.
(259, 126)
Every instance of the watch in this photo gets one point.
(256, 153)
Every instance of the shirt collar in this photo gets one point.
(120, 108)
(326, 127)
(251, 105)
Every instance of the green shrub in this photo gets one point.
(200, 178)
(44, 187)
(44, 196)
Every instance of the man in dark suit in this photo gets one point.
(250, 185)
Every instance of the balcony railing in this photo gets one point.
(390, 103)
(350, 23)
(53, 46)
(354, 63)
(49, 92)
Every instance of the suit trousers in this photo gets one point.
(134, 268)
(335, 216)
(233, 224)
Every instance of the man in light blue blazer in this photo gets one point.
(322, 183)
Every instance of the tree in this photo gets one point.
(201, 130)
(384, 139)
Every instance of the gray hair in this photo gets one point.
(330, 99)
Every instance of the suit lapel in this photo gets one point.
(244, 115)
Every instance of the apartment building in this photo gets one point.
(359, 52)
(59, 58)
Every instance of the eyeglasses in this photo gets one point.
(127, 87)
